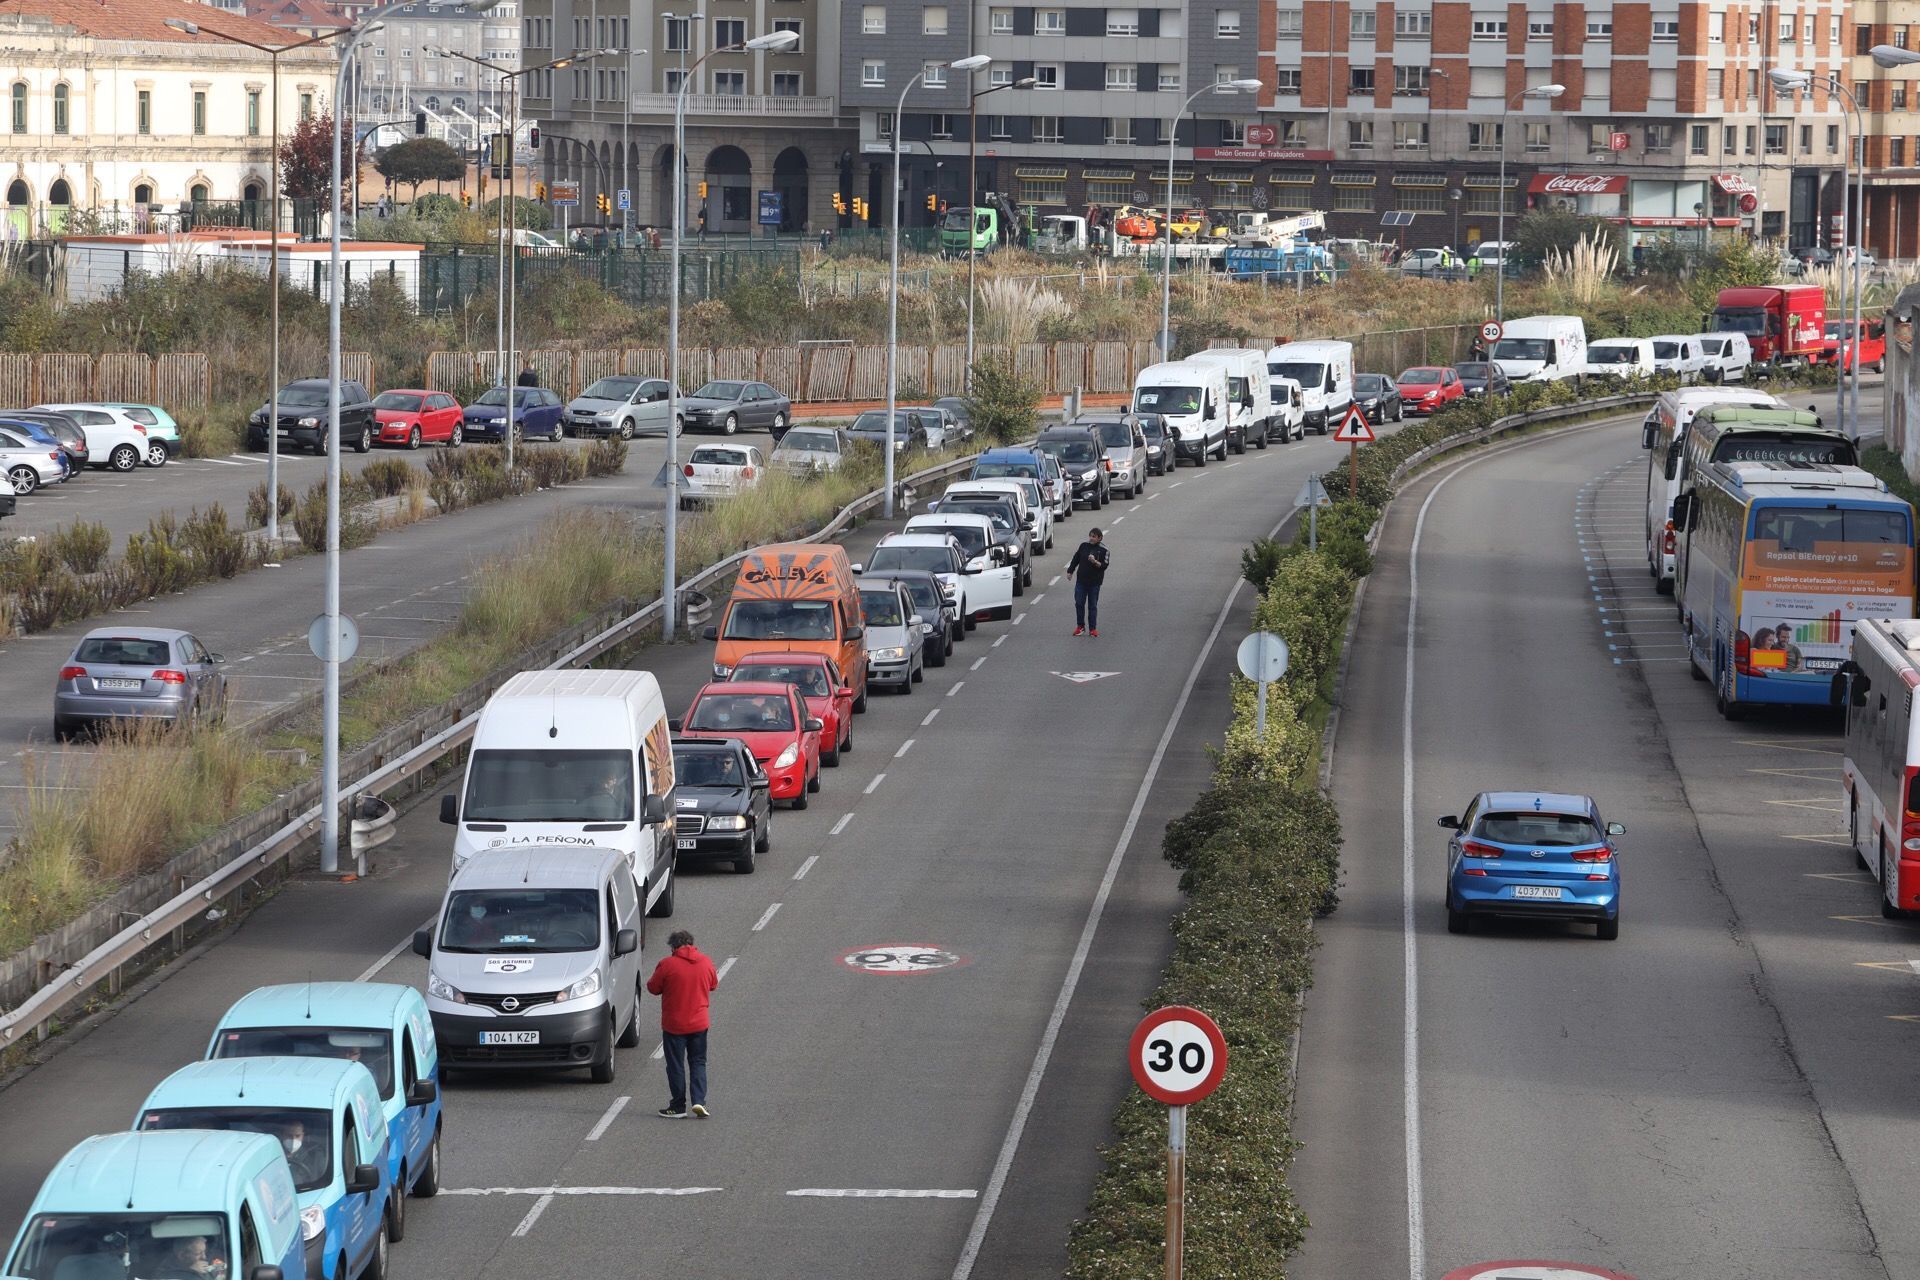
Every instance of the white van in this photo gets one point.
(1620, 358)
(1665, 426)
(1679, 354)
(573, 758)
(1542, 349)
(1289, 409)
(1192, 402)
(1249, 394)
(1324, 371)
(1729, 356)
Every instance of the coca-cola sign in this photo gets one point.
(1578, 184)
(1733, 184)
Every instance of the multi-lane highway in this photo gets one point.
(943, 1122)
(1721, 1093)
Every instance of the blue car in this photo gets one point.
(1533, 855)
(537, 413)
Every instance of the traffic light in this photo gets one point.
(539, 191)
(466, 197)
(533, 137)
(703, 188)
(933, 202)
(839, 203)
(604, 202)
(419, 124)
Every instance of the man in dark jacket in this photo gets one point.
(682, 980)
(1090, 560)
(528, 378)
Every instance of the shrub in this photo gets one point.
(551, 466)
(1005, 403)
(218, 549)
(82, 546)
(446, 492)
(389, 477)
(154, 563)
(357, 525)
(607, 457)
(1259, 562)
(257, 505)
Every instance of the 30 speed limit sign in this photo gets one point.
(1491, 331)
(1178, 1055)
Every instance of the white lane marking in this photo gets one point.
(841, 825)
(221, 462)
(977, 664)
(606, 1121)
(533, 1214)
(1118, 519)
(578, 1191)
(766, 918)
(905, 747)
(997, 642)
(1043, 1054)
(725, 965)
(958, 685)
(930, 715)
(1018, 618)
(1230, 465)
(1176, 484)
(659, 1052)
(367, 973)
(886, 1193)
(1152, 496)
(1054, 581)
(807, 866)
(1135, 507)
(873, 786)
(1037, 599)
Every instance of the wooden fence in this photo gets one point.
(175, 382)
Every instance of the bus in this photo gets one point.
(1777, 564)
(1665, 427)
(1880, 770)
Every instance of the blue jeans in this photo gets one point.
(685, 1054)
(1086, 605)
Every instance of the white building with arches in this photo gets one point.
(110, 110)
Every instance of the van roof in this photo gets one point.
(262, 1082)
(544, 866)
(324, 1004)
(166, 1171)
(1697, 398)
(578, 684)
(1317, 346)
(1901, 635)
(1172, 369)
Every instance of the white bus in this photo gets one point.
(1662, 433)
(1880, 771)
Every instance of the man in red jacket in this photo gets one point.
(682, 980)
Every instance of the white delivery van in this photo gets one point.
(1289, 408)
(1249, 395)
(1191, 400)
(573, 758)
(1542, 349)
(1620, 358)
(1679, 354)
(1324, 371)
(1728, 355)
(1665, 427)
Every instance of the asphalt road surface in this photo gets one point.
(933, 1124)
(1722, 1092)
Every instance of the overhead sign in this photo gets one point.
(1354, 428)
(1177, 1055)
(1491, 331)
(1578, 184)
(563, 192)
(1734, 184)
(1619, 140)
(1262, 656)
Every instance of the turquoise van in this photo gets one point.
(326, 1115)
(148, 1206)
(381, 1025)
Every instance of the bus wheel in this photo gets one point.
(1723, 698)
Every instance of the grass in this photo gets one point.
(1886, 464)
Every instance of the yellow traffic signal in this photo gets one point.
(839, 203)
(933, 202)
(466, 198)
(539, 191)
(703, 188)
(605, 203)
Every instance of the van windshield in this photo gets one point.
(780, 620)
(1611, 355)
(1076, 452)
(521, 920)
(306, 1135)
(1523, 349)
(121, 1246)
(1115, 435)
(368, 1046)
(1311, 377)
(1666, 350)
(522, 784)
(1167, 399)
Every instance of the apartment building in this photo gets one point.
(396, 76)
(764, 130)
(1890, 105)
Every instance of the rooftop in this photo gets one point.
(141, 20)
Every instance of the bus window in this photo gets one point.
(1799, 529)
(1913, 795)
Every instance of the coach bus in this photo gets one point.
(1881, 768)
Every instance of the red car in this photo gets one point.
(411, 417)
(1838, 334)
(1427, 389)
(829, 699)
(772, 719)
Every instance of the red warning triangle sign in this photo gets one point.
(1354, 428)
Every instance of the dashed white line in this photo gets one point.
(766, 918)
(958, 685)
(841, 825)
(887, 1193)
(1152, 496)
(873, 786)
(1135, 507)
(997, 642)
(1037, 599)
(977, 664)
(606, 1120)
(550, 1192)
(929, 718)
(801, 872)
(533, 1214)
(905, 747)
(1018, 618)
(725, 965)
(1054, 581)
(1118, 519)
(1232, 465)
(1176, 484)
(367, 973)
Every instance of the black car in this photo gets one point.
(909, 429)
(932, 603)
(1014, 537)
(1483, 378)
(1083, 460)
(722, 803)
(1159, 444)
(1378, 397)
(303, 417)
(73, 440)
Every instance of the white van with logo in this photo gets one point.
(1542, 349)
(1249, 394)
(1729, 356)
(1289, 409)
(1324, 371)
(1192, 402)
(573, 759)
(1679, 354)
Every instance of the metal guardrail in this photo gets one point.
(1531, 418)
(127, 945)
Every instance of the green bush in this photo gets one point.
(1005, 403)
(218, 549)
(607, 457)
(83, 547)
(551, 466)
(389, 477)
(154, 563)
(257, 505)
(1259, 562)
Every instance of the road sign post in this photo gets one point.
(1312, 496)
(1354, 431)
(1177, 1056)
(1263, 658)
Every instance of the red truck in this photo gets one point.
(1785, 324)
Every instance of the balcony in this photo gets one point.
(731, 104)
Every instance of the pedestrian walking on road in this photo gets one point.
(1088, 569)
(683, 980)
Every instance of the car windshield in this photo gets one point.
(931, 559)
(925, 596)
(521, 919)
(874, 422)
(1474, 370)
(1601, 354)
(707, 767)
(1115, 435)
(721, 391)
(306, 1135)
(140, 414)
(780, 620)
(956, 220)
(1153, 429)
(1748, 320)
(303, 396)
(741, 713)
(1523, 349)
(1714, 346)
(995, 511)
(808, 677)
(1530, 826)
(1786, 447)
(535, 784)
(972, 538)
(1309, 376)
(121, 1246)
(371, 1047)
(1167, 399)
(715, 456)
(1371, 384)
(498, 396)
(396, 400)
(611, 389)
(1000, 470)
(808, 442)
(1078, 452)
(1666, 350)
(882, 609)
(1418, 377)
(124, 651)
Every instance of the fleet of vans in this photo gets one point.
(1729, 356)
(1680, 355)
(1542, 349)
(1662, 434)
(1324, 372)
(1192, 402)
(1249, 394)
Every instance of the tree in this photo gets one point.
(419, 160)
(1541, 232)
(1005, 403)
(526, 212)
(306, 173)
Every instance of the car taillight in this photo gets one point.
(73, 673)
(55, 455)
(1667, 541)
(746, 473)
(1742, 653)
(170, 677)
(1474, 849)
(142, 430)
(688, 468)
(1600, 853)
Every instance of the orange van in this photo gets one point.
(797, 596)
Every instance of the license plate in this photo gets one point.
(509, 1037)
(117, 684)
(686, 844)
(1535, 891)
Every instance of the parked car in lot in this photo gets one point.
(933, 551)
(911, 429)
(29, 464)
(808, 450)
(302, 417)
(723, 803)
(1378, 397)
(728, 406)
(1427, 389)
(138, 673)
(936, 608)
(619, 406)
(160, 425)
(943, 429)
(536, 412)
(717, 471)
(411, 417)
(959, 411)
(828, 696)
(773, 721)
(114, 441)
(1482, 378)
(63, 429)
(896, 635)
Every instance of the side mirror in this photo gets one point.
(450, 809)
(1673, 459)
(626, 942)
(759, 782)
(1648, 430)
(675, 726)
(364, 1178)
(856, 633)
(1451, 822)
(814, 724)
(710, 632)
(1616, 828)
(653, 810)
(858, 567)
(916, 620)
(423, 942)
(216, 657)
(422, 1092)
(1026, 521)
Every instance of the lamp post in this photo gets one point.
(1541, 91)
(273, 255)
(1166, 259)
(1846, 409)
(973, 194)
(1455, 195)
(669, 584)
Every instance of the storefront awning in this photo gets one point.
(1578, 184)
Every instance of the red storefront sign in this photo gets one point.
(1578, 184)
(1733, 184)
(1262, 135)
(1258, 153)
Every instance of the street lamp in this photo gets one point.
(973, 195)
(1455, 195)
(273, 256)
(1541, 91)
(1790, 81)
(1166, 261)
(670, 592)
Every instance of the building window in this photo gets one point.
(732, 84)
(999, 73)
(199, 112)
(1050, 22)
(143, 112)
(1226, 24)
(1753, 85)
(1541, 30)
(1412, 82)
(19, 108)
(1123, 77)
(1119, 134)
(934, 75)
(1666, 28)
(1698, 138)
(1806, 139)
(61, 106)
(306, 100)
(1776, 139)
(1753, 139)
(1046, 75)
(1899, 37)
(1293, 133)
(786, 84)
(1488, 200)
(1490, 29)
(1833, 138)
(1899, 97)
(1409, 135)
(1225, 75)
(1043, 190)
(1000, 21)
(1485, 137)
(873, 73)
(1360, 80)
(1788, 30)
(1716, 85)
(1716, 28)
(1046, 129)
(1110, 190)
(1353, 199)
(1233, 133)
(789, 24)
(1286, 80)
(671, 82)
(677, 34)
(1415, 23)
(940, 125)
(1123, 22)
(1600, 28)
(1000, 128)
(1420, 199)
(1730, 140)
(1659, 139)
(728, 32)
(883, 124)
(1360, 135)
(253, 113)
(933, 20)
(1287, 23)
(873, 20)
(1897, 152)
(1362, 24)
(1170, 79)
(1538, 139)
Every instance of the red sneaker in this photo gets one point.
(1094, 634)
(1079, 631)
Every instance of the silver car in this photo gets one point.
(806, 450)
(27, 463)
(1126, 453)
(138, 673)
(619, 406)
(896, 634)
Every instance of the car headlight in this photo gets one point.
(893, 653)
(440, 989)
(787, 757)
(313, 1222)
(587, 986)
(727, 822)
(309, 422)
(720, 672)
(1088, 477)
(258, 418)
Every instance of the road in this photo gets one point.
(1716, 1094)
(1000, 813)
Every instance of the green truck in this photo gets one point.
(994, 222)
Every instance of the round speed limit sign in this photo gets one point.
(1491, 331)
(1177, 1055)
